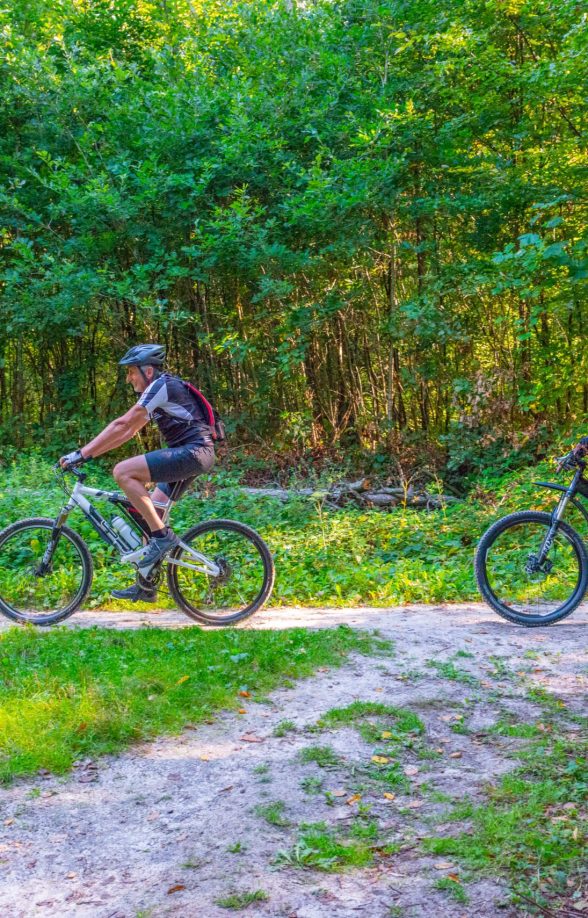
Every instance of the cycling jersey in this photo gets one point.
(177, 414)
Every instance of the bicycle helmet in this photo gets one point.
(144, 355)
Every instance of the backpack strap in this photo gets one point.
(205, 406)
(215, 424)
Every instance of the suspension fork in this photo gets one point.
(45, 565)
(556, 517)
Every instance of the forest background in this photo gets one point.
(360, 226)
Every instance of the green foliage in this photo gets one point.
(344, 557)
(368, 217)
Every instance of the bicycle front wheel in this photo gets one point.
(31, 591)
(246, 576)
(516, 585)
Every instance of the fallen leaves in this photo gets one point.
(389, 796)
(386, 734)
(455, 755)
(354, 799)
(87, 770)
(251, 738)
(339, 792)
(444, 865)
(177, 887)
(410, 770)
(380, 759)
(182, 679)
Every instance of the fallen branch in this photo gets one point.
(360, 492)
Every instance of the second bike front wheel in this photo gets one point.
(516, 585)
(246, 576)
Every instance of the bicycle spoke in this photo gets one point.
(524, 582)
(30, 587)
(245, 571)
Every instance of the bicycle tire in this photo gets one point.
(488, 539)
(87, 572)
(263, 594)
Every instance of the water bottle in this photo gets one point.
(128, 536)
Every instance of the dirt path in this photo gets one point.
(171, 827)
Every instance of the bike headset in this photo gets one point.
(145, 355)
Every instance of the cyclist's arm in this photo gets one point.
(118, 432)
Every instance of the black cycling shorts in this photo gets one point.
(179, 464)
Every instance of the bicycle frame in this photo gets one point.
(78, 498)
(568, 496)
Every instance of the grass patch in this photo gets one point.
(273, 813)
(534, 826)
(284, 727)
(69, 694)
(240, 900)
(454, 888)
(311, 785)
(506, 728)
(403, 720)
(318, 848)
(448, 670)
(324, 756)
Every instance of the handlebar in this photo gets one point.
(569, 463)
(72, 469)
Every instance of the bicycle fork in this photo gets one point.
(45, 565)
(556, 517)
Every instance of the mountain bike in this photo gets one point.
(531, 566)
(220, 573)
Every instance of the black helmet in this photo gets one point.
(144, 355)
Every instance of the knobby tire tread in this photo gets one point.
(480, 569)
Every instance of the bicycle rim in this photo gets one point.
(246, 573)
(27, 593)
(521, 586)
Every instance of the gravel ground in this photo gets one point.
(172, 827)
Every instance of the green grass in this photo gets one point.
(68, 694)
(401, 719)
(318, 848)
(324, 756)
(534, 826)
(454, 888)
(241, 900)
(448, 670)
(273, 813)
(311, 785)
(284, 727)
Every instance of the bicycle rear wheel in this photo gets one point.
(512, 581)
(244, 584)
(33, 592)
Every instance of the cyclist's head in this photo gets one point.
(143, 362)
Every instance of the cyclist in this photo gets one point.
(165, 399)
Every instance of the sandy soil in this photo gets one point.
(149, 833)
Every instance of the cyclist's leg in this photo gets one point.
(132, 476)
(167, 466)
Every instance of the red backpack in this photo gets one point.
(212, 417)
